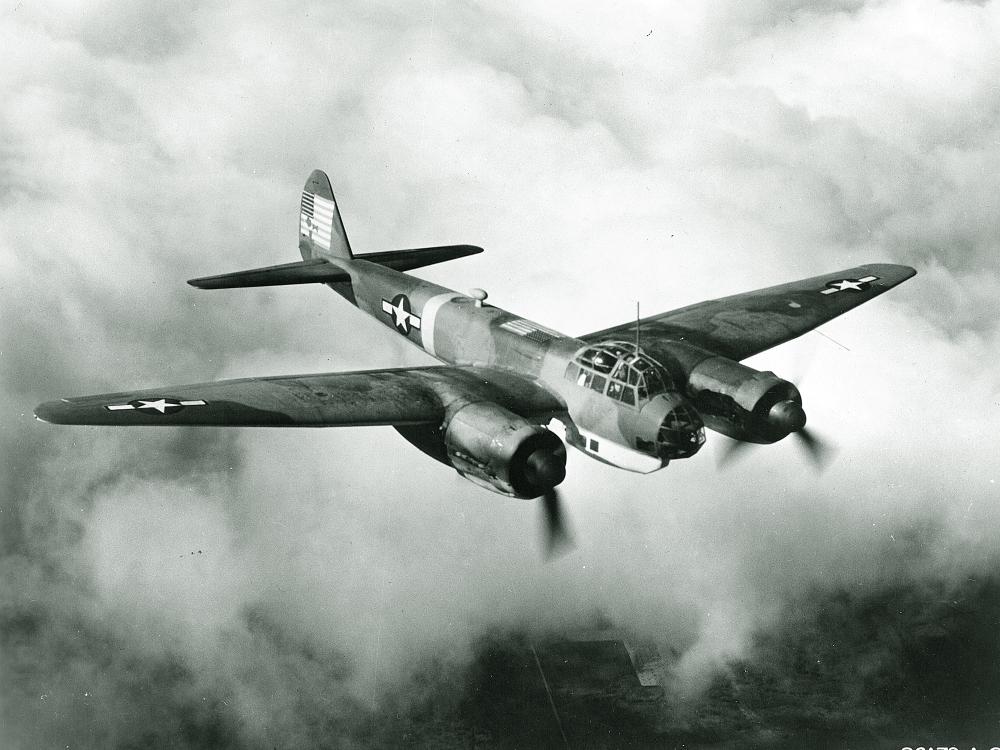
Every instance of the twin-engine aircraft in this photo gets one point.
(635, 396)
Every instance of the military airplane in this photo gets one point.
(635, 396)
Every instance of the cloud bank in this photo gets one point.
(307, 588)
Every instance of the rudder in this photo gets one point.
(321, 230)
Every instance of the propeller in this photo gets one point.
(819, 451)
(558, 540)
(547, 468)
(790, 418)
(732, 451)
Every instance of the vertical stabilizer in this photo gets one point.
(321, 230)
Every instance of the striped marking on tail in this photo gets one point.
(316, 219)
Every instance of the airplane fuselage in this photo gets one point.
(461, 330)
(486, 412)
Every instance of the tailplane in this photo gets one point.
(321, 230)
(326, 253)
(323, 271)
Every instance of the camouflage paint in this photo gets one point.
(496, 357)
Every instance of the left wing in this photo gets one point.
(745, 324)
(408, 396)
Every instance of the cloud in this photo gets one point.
(601, 155)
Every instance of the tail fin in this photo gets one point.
(321, 230)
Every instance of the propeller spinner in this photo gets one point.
(790, 418)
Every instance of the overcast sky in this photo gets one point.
(291, 581)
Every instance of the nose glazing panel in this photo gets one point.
(681, 433)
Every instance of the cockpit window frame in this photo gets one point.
(632, 377)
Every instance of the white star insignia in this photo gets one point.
(400, 314)
(162, 405)
(401, 317)
(847, 285)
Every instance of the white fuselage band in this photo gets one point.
(428, 315)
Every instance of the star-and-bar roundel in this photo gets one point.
(400, 312)
(160, 405)
(848, 285)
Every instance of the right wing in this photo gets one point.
(745, 324)
(407, 396)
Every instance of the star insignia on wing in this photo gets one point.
(161, 405)
(848, 285)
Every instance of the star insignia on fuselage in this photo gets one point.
(159, 405)
(399, 311)
(848, 285)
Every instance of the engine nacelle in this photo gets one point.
(496, 449)
(744, 403)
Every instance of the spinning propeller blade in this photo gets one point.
(558, 540)
(819, 451)
(731, 451)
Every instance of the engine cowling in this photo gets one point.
(500, 450)
(744, 403)
(496, 449)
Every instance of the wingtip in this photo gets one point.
(48, 412)
(893, 269)
(906, 271)
(205, 282)
(902, 272)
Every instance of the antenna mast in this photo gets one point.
(637, 327)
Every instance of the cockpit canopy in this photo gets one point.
(621, 370)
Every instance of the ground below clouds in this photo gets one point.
(879, 666)
(896, 665)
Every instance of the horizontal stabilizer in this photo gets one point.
(322, 271)
(313, 271)
(407, 260)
